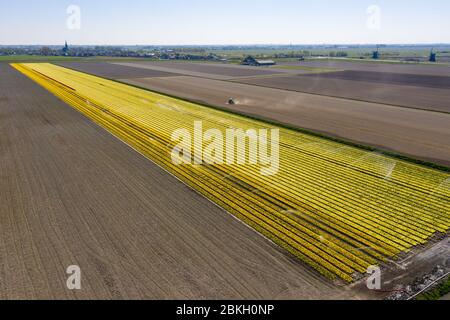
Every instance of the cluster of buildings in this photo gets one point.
(251, 61)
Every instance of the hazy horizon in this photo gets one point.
(231, 45)
(201, 22)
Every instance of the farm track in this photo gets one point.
(71, 193)
(335, 207)
(103, 69)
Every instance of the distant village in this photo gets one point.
(216, 53)
(257, 55)
(110, 51)
(194, 54)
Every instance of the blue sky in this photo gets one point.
(224, 22)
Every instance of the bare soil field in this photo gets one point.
(420, 134)
(329, 85)
(72, 194)
(433, 70)
(105, 69)
(205, 70)
(387, 78)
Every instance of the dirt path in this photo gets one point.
(203, 70)
(71, 194)
(103, 69)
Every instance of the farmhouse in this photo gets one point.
(251, 61)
